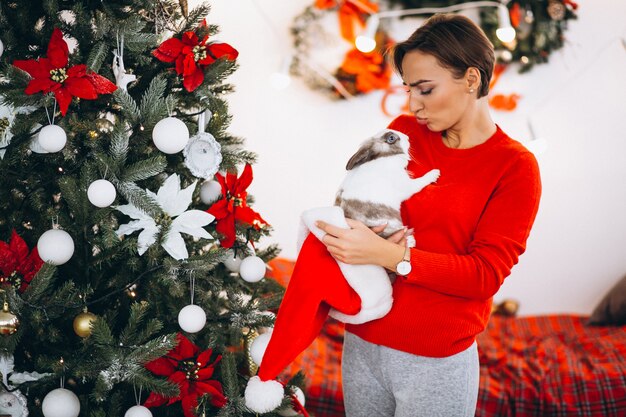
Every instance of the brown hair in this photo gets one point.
(456, 42)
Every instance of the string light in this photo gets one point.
(366, 42)
(281, 78)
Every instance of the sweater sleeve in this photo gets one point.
(499, 239)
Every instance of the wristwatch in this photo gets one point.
(404, 266)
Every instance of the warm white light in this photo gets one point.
(506, 34)
(365, 44)
(280, 80)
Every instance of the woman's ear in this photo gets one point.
(363, 155)
(472, 77)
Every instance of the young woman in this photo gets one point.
(470, 228)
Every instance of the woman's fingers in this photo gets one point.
(399, 237)
(329, 229)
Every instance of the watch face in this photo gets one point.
(404, 268)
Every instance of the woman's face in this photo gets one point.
(436, 98)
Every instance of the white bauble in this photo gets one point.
(258, 347)
(1, 47)
(60, 403)
(288, 411)
(232, 262)
(52, 138)
(210, 191)
(192, 318)
(138, 411)
(55, 246)
(170, 135)
(252, 269)
(101, 193)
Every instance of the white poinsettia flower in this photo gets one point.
(174, 203)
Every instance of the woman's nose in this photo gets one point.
(415, 104)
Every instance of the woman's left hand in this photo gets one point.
(357, 245)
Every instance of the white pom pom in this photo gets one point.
(101, 193)
(55, 246)
(170, 135)
(52, 138)
(138, 411)
(60, 403)
(289, 411)
(210, 191)
(263, 396)
(192, 318)
(252, 269)
(1, 47)
(258, 347)
(232, 262)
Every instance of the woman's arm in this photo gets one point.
(499, 240)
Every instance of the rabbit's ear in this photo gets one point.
(364, 154)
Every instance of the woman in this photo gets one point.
(470, 228)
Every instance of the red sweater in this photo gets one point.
(470, 228)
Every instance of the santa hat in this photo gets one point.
(318, 286)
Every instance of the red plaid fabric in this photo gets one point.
(551, 366)
(547, 366)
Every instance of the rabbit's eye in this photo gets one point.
(391, 138)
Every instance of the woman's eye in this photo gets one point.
(426, 92)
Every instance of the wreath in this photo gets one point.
(539, 27)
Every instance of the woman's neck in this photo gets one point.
(474, 128)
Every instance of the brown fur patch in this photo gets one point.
(369, 213)
(369, 151)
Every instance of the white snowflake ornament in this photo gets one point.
(174, 202)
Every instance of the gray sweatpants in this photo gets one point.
(382, 382)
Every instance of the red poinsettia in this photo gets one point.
(191, 370)
(51, 74)
(17, 265)
(192, 56)
(233, 207)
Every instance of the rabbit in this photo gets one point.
(377, 182)
(372, 191)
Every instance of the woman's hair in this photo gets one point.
(456, 42)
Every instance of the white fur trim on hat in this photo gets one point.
(263, 396)
(370, 282)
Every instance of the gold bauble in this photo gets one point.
(8, 321)
(82, 323)
(249, 337)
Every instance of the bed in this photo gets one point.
(540, 366)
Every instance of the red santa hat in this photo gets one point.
(319, 286)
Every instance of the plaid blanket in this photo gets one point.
(551, 366)
(547, 366)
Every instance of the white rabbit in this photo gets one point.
(377, 181)
(374, 188)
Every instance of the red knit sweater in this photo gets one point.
(470, 228)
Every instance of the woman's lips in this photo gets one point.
(421, 121)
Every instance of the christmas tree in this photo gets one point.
(128, 267)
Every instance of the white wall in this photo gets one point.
(577, 249)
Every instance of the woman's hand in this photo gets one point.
(361, 245)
